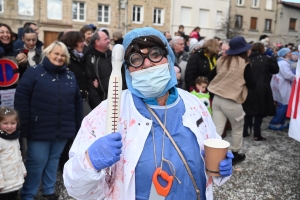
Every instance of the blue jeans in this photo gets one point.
(280, 116)
(41, 164)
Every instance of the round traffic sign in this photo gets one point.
(9, 73)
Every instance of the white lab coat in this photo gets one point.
(281, 83)
(82, 182)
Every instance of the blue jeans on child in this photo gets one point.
(277, 122)
(41, 164)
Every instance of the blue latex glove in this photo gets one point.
(105, 151)
(225, 166)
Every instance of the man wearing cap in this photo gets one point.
(281, 88)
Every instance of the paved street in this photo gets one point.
(271, 170)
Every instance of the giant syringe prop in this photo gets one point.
(114, 90)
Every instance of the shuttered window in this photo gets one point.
(292, 25)
(253, 23)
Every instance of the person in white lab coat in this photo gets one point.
(121, 165)
(281, 85)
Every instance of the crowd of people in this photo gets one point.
(181, 90)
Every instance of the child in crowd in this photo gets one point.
(12, 169)
(199, 91)
(178, 75)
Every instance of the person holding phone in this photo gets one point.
(32, 53)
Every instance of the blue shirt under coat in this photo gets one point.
(187, 142)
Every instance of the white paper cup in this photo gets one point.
(215, 151)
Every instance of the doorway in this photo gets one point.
(49, 37)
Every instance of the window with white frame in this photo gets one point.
(240, 2)
(1, 6)
(137, 14)
(269, 4)
(219, 18)
(185, 15)
(238, 21)
(78, 11)
(54, 9)
(268, 24)
(103, 13)
(26, 7)
(255, 3)
(158, 16)
(203, 18)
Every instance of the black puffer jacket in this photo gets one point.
(198, 65)
(260, 101)
(98, 66)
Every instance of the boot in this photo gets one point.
(238, 157)
(224, 134)
(51, 196)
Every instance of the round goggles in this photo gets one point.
(155, 54)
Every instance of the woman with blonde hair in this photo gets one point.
(50, 107)
(201, 62)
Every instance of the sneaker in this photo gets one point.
(276, 127)
(51, 196)
(238, 157)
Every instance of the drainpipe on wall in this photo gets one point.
(126, 10)
(119, 10)
(172, 20)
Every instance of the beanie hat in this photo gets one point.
(138, 32)
(193, 42)
(282, 52)
(117, 34)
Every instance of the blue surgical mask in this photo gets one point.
(152, 81)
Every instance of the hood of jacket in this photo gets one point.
(20, 31)
(255, 53)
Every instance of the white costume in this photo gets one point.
(83, 182)
(281, 82)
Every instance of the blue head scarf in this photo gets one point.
(146, 31)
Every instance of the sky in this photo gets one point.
(293, 1)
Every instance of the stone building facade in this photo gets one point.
(208, 15)
(253, 18)
(287, 29)
(54, 16)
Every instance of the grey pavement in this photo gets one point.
(271, 170)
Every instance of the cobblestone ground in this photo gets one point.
(271, 170)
